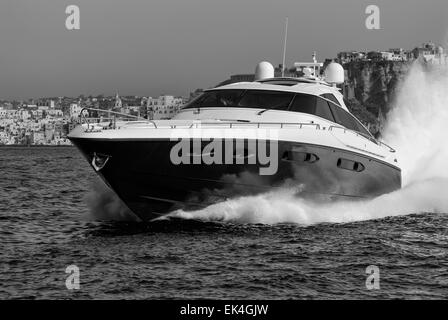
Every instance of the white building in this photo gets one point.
(398, 54)
(56, 113)
(118, 103)
(39, 137)
(431, 54)
(43, 108)
(3, 138)
(24, 114)
(8, 114)
(386, 55)
(132, 110)
(75, 110)
(163, 107)
(437, 57)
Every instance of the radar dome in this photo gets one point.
(334, 73)
(264, 70)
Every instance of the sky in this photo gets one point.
(153, 47)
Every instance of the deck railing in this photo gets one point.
(372, 139)
(127, 120)
(112, 118)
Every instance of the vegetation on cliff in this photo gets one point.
(370, 87)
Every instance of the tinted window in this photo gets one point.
(361, 128)
(195, 103)
(304, 103)
(312, 105)
(266, 99)
(323, 109)
(331, 97)
(345, 119)
(218, 98)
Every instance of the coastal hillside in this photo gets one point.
(370, 87)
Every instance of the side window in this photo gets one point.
(331, 97)
(223, 98)
(323, 110)
(310, 104)
(218, 98)
(195, 103)
(345, 119)
(304, 103)
(362, 129)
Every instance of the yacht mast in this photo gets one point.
(284, 47)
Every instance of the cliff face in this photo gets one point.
(370, 87)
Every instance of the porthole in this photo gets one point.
(350, 165)
(300, 157)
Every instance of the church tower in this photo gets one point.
(118, 103)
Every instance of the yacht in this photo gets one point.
(241, 139)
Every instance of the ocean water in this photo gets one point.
(55, 212)
(46, 225)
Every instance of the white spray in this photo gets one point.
(417, 126)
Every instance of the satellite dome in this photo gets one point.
(334, 73)
(264, 70)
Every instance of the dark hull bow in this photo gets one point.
(142, 174)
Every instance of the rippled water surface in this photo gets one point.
(46, 225)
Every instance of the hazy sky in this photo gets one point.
(151, 47)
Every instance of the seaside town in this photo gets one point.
(47, 121)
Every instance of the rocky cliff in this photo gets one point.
(370, 87)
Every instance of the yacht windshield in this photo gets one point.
(261, 99)
(218, 98)
(266, 99)
(325, 106)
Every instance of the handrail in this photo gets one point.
(113, 119)
(110, 111)
(258, 124)
(230, 124)
(392, 150)
(372, 139)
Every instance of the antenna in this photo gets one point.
(284, 47)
